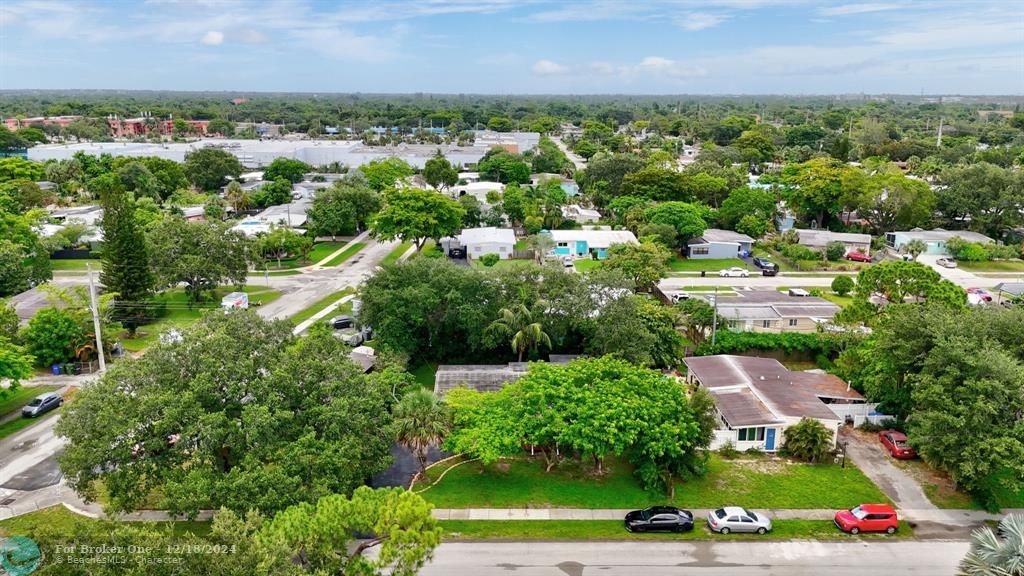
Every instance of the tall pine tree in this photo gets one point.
(125, 257)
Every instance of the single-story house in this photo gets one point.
(88, 215)
(589, 243)
(818, 239)
(935, 239)
(772, 311)
(715, 243)
(193, 213)
(579, 214)
(756, 399)
(478, 190)
(490, 240)
(485, 377)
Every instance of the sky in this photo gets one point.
(516, 46)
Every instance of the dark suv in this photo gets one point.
(767, 267)
(659, 518)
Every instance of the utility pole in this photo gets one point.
(96, 319)
(714, 321)
(938, 140)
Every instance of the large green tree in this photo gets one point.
(384, 173)
(500, 165)
(125, 255)
(414, 215)
(237, 414)
(208, 168)
(201, 255)
(687, 219)
(645, 263)
(421, 422)
(439, 172)
(287, 168)
(520, 329)
(53, 336)
(24, 260)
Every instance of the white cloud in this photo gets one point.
(850, 9)
(213, 38)
(345, 44)
(694, 21)
(668, 68)
(549, 68)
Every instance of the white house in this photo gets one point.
(579, 214)
(585, 243)
(758, 398)
(478, 190)
(818, 239)
(715, 243)
(935, 240)
(481, 241)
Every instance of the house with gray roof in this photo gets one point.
(756, 399)
(935, 240)
(485, 377)
(715, 243)
(772, 311)
(818, 239)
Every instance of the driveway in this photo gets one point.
(867, 453)
(957, 276)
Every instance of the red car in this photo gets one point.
(858, 257)
(896, 443)
(982, 293)
(868, 518)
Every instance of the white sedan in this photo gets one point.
(734, 272)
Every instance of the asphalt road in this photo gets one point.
(28, 459)
(789, 558)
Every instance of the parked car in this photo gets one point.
(680, 296)
(734, 272)
(896, 443)
(762, 262)
(981, 293)
(946, 262)
(868, 518)
(42, 404)
(858, 257)
(771, 270)
(341, 322)
(735, 519)
(567, 261)
(659, 518)
(457, 253)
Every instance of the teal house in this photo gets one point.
(589, 243)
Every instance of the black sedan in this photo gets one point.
(659, 518)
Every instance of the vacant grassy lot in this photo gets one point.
(348, 253)
(993, 266)
(395, 254)
(181, 313)
(678, 264)
(757, 482)
(64, 521)
(324, 302)
(614, 530)
(320, 251)
(76, 264)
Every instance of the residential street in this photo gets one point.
(796, 558)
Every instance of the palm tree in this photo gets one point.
(995, 555)
(421, 422)
(238, 196)
(541, 244)
(915, 248)
(517, 323)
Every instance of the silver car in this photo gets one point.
(735, 519)
(42, 404)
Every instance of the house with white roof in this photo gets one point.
(490, 240)
(756, 399)
(478, 190)
(579, 214)
(715, 243)
(818, 239)
(589, 243)
(935, 239)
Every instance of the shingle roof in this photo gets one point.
(485, 377)
(823, 237)
(716, 235)
(742, 408)
(783, 393)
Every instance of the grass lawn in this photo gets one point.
(76, 264)
(587, 265)
(991, 266)
(281, 273)
(424, 375)
(841, 301)
(521, 244)
(320, 251)
(15, 400)
(395, 254)
(324, 302)
(752, 482)
(180, 315)
(476, 263)
(1011, 495)
(351, 251)
(678, 264)
(937, 486)
(64, 521)
(613, 530)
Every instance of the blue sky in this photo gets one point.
(517, 46)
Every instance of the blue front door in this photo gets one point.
(769, 440)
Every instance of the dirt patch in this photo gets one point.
(502, 467)
(763, 466)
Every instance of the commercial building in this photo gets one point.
(756, 399)
(935, 240)
(257, 153)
